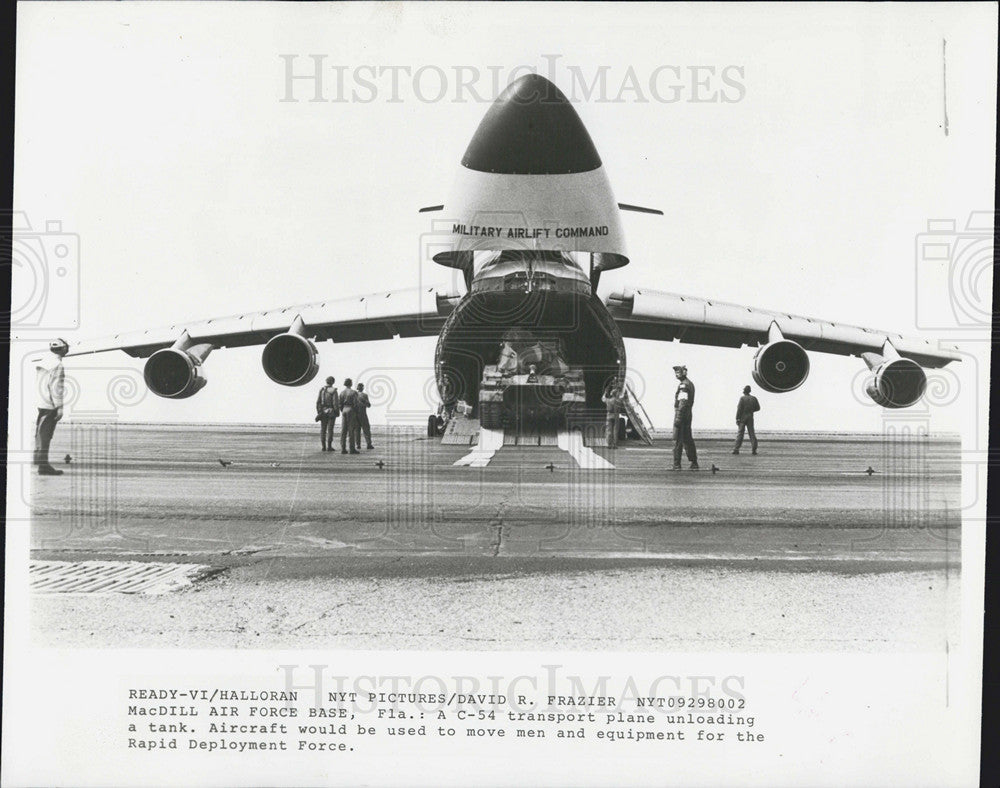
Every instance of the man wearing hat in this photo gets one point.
(613, 404)
(683, 404)
(363, 424)
(747, 406)
(349, 425)
(49, 386)
(327, 409)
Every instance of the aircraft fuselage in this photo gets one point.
(533, 224)
(545, 294)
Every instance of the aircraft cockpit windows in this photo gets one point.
(529, 259)
(517, 270)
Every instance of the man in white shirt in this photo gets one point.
(50, 386)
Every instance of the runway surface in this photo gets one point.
(797, 547)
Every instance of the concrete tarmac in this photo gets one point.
(796, 548)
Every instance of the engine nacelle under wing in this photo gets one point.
(175, 372)
(895, 382)
(780, 366)
(290, 359)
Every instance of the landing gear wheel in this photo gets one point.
(432, 426)
(621, 429)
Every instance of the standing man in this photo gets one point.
(50, 386)
(613, 402)
(747, 406)
(683, 404)
(327, 409)
(349, 423)
(363, 404)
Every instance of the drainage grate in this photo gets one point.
(113, 577)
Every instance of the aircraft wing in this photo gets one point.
(654, 314)
(409, 312)
(176, 353)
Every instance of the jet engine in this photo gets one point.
(291, 359)
(896, 382)
(174, 372)
(781, 365)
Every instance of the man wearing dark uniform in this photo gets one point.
(363, 404)
(349, 422)
(683, 404)
(613, 402)
(327, 409)
(747, 406)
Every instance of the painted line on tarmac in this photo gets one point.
(490, 441)
(571, 442)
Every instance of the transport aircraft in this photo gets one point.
(533, 225)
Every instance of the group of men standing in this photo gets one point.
(352, 406)
(683, 408)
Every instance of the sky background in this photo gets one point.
(157, 134)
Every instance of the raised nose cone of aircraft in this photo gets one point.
(531, 129)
